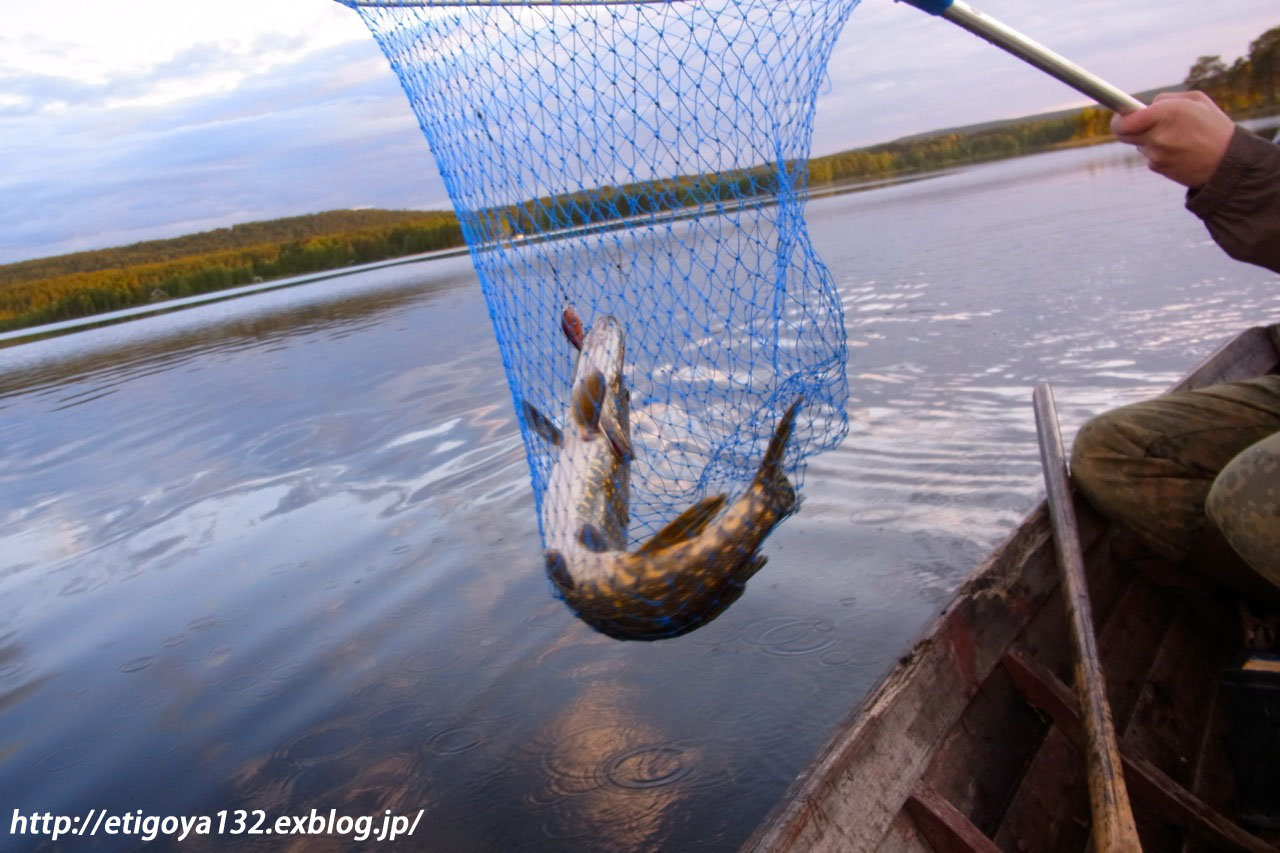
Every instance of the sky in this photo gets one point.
(138, 119)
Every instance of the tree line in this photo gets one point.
(608, 204)
(956, 148)
(81, 285)
(243, 236)
(50, 289)
(1248, 86)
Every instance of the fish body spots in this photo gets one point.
(687, 573)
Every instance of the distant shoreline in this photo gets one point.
(32, 333)
(62, 293)
(27, 334)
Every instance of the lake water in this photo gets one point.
(280, 552)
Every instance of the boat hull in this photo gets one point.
(970, 743)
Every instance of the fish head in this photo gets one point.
(600, 399)
(603, 350)
(571, 325)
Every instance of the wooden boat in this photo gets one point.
(971, 741)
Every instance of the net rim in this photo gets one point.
(394, 4)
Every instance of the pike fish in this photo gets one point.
(689, 572)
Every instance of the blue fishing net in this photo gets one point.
(645, 160)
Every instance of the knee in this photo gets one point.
(1244, 503)
(1095, 450)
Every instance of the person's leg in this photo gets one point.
(1244, 502)
(1149, 466)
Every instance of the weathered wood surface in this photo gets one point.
(998, 733)
(1049, 810)
(1114, 830)
(947, 830)
(853, 796)
(1173, 709)
(850, 796)
(1252, 353)
(1155, 788)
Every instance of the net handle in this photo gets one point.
(956, 11)
(966, 17)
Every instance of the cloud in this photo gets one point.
(331, 130)
(177, 117)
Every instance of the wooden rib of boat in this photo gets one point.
(971, 741)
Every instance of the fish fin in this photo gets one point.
(618, 439)
(751, 568)
(778, 444)
(588, 403)
(571, 325)
(592, 539)
(686, 525)
(542, 425)
(772, 477)
(558, 571)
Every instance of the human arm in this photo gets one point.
(1183, 135)
(1240, 205)
(1233, 176)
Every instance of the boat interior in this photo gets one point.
(975, 741)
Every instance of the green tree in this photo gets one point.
(1264, 60)
(1206, 74)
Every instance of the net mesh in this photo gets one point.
(645, 160)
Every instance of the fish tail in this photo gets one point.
(781, 435)
(772, 477)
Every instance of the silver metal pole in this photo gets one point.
(969, 18)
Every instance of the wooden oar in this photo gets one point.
(1113, 826)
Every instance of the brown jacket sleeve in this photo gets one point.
(1241, 203)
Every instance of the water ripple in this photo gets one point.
(280, 552)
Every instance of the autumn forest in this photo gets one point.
(86, 283)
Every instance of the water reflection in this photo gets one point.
(281, 552)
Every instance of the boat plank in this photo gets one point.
(903, 836)
(849, 797)
(1128, 650)
(1212, 780)
(1136, 612)
(1050, 809)
(947, 830)
(999, 733)
(1252, 353)
(1173, 710)
(1043, 635)
(1150, 785)
(853, 795)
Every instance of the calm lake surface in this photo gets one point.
(280, 552)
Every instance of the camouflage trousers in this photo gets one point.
(1189, 467)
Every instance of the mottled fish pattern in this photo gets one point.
(690, 571)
